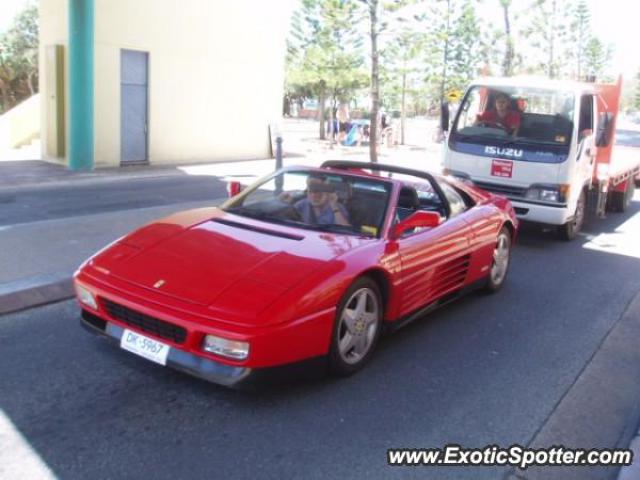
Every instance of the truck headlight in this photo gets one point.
(86, 297)
(234, 349)
(548, 193)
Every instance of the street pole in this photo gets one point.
(279, 178)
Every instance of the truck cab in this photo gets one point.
(534, 141)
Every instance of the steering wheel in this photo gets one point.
(289, 212)
(486, 123)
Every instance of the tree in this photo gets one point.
(509, 49)
(401, 64)
(636, 102)
(546, 32)
(325, 52)
(579, 34)
(456, 46)
(383, 16)
(19, 58)
(597, 57)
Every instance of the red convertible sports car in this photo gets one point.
(305, 263)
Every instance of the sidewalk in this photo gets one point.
(39, 258)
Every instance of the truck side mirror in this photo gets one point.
(605, 127)
(444, 116)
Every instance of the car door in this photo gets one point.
(433, 261)
(485, 222)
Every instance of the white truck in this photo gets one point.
(552, 155)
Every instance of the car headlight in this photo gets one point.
(86, 297)
(233, 349)
(548, 193)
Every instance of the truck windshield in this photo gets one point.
(524, 118)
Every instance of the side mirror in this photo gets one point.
(444, 116)
(605, 127)
(233, 188)
(419, 219)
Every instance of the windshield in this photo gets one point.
(316, 200)
(515, 116)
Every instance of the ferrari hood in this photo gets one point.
(227, 262)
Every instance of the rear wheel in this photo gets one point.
(357, 327)
(620, 201)
(501, 260)
(570, 230)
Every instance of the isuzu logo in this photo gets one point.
(505, 152)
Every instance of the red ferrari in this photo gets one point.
(305, 263)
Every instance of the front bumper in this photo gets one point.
(535, 212)
(204, 368)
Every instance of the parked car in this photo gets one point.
(304, 263)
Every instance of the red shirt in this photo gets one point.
(511, 120)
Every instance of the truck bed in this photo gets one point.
(624, 163)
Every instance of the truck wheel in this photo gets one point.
(570, 230)
(620, 201)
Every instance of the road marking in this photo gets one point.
(17, 458)
(622, 241)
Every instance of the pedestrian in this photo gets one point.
(342, 115)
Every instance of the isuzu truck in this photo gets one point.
(546, 145)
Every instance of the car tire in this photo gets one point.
(356, 328)
(570, 230)
(500, 263)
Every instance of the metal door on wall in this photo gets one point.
(134, 95)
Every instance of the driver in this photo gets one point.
(321, 205)
(502, 116)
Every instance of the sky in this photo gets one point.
(614, 21)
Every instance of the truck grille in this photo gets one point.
(145, 323)
(505, 190)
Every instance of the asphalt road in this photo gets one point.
(485, 370)
(49, 202)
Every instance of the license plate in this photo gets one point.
(502, 168)
(144, 346)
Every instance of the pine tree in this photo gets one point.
(325, 54)
(509, 50)
(547, 32)
(579, 34)
(382, 16)
(597, 57)
(636, 102)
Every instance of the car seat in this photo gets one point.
(408, 202)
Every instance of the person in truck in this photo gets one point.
(501, 116)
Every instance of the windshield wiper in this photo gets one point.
(247, 212)
(482, 138)
(334, 227)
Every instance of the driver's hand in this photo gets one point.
(333, 200)
(286, 197)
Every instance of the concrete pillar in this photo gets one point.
(81, 20)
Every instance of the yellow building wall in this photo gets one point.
(54, 30)
(216, 73)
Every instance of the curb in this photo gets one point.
(35, 291)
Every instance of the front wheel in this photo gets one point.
(501, 260)
(357, 327)
(570, 230)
